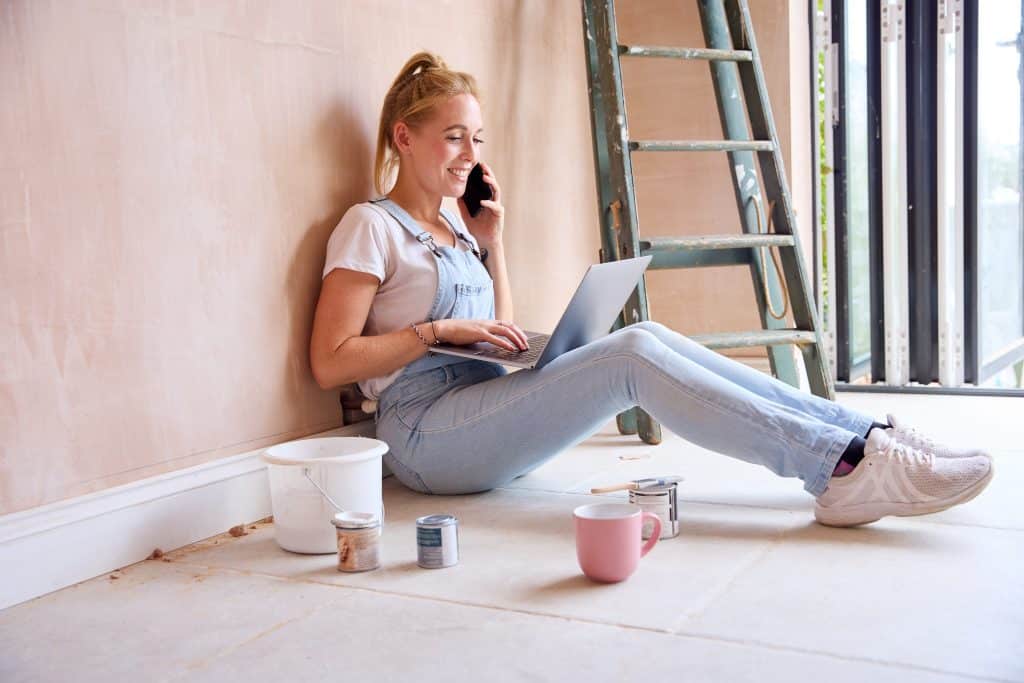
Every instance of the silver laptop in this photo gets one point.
(600, 296)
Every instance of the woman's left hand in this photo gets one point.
(489, 222)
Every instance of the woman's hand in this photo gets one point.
(489, 223)
(503, 334)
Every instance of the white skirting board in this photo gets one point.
(53, 546)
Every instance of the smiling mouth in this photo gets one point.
(460, 173)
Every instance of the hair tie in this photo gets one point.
(411, 77)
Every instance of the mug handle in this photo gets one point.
(655, 533)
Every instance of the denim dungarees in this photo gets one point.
(464, 291)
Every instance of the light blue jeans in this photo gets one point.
(471, 426)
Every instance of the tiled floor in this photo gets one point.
(752, 589)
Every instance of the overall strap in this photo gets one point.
(407, 222)
(422, 236)
(454, 222)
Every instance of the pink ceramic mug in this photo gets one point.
(608, 543)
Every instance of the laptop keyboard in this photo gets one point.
(537, 344)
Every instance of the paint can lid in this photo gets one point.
(655, 491)
(436, 520)
(355, 520)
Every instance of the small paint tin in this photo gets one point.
(437, 541)
(358, 541)
(661, 501)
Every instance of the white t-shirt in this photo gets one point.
(368, 239)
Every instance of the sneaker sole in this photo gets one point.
(872, 512)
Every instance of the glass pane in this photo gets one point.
(857, 181)
(1000, 230)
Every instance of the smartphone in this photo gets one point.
(476, 190)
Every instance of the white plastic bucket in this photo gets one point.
(308, 474)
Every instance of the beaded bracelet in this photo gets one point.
(422, 338)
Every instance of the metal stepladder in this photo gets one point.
(733, 70)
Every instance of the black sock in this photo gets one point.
(877, 425)
(854, 453)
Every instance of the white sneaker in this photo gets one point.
(897, 479)
(906, 434)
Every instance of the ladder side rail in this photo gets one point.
(615, 188)
(743, 173)
(773, 175)
(606, 83)
(600, 138)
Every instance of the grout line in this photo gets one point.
(194, 666)
(964, 525)
(592, 622)
(722, 587)
(865, 660)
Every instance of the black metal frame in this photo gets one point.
(847, 366)
(972, 344)
(840, 199)
(874, 87)
(922, 190)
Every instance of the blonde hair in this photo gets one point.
(424, 82)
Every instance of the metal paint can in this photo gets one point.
(358, 536)
(437, 541)
(661, 501)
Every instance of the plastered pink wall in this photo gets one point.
(170, 174)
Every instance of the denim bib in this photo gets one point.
(464, 287)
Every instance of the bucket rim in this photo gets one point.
(374, 448)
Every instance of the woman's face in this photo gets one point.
(442, 150)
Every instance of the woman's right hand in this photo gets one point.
(502, 333)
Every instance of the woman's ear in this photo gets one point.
(402, 136)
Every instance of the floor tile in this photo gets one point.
(155, 620)
(899, 591)
(370, 637)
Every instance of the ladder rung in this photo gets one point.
(716, 242)
(686, 53)
(707, 251)
(737, 340)
(701, 145)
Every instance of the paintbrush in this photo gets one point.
(638, 484)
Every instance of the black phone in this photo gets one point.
(476, 190)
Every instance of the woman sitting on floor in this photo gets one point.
(403, 274)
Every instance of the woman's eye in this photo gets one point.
(454, 138)
(478, 141)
